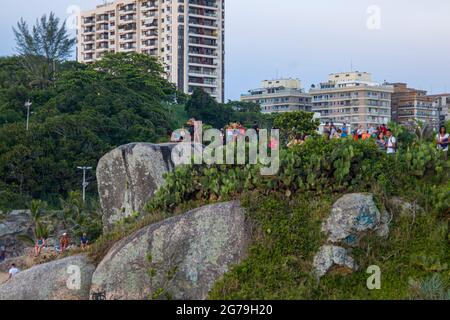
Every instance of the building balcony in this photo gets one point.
(201, 73)
(149, 6)
(203, 4)
(203, 54)
(127, 9)
(206, 26)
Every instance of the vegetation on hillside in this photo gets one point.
(288, 210)
(89, 111)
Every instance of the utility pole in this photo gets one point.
(28, 105)
(85, 183)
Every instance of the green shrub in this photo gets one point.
(318, 165)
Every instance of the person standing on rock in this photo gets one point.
(64, 242)
(40, 243)
(2, 254)
(12, 272)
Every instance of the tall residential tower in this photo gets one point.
(186, 35)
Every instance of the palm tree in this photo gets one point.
(37, 211)
(43, 47)
(73, 214)
(41, 229)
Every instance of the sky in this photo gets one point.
(397, 41)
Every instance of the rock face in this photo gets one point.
(332, 256)
(403, 208)
(15, 223)
(129, 176)
(352, 216)
(65, 279)
(179, 258)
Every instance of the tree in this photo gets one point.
(37, 212)
(296, 123)
(88, 111)
(43, 47)
(245, 107)
(202, 106)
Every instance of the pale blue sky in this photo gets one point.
(308, 39)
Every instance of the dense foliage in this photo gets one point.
(90, 110)
(295, 124)
(319, 166)
(202, 106)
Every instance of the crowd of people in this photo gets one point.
(383, 136)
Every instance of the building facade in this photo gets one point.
(282, 95)
(186, 35)
(441, 103)
(352, 98)
(410, 105)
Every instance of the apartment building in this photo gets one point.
(282, 95)
(186, 35)
(410, 105)
(352, 98)
(441, 103)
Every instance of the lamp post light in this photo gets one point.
(28, 105)
(85, 183)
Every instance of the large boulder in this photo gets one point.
(129, 176)
(400, 207)
(179, 258)
(14, 224)
(65, 279)
(352, 217)
(330, 257)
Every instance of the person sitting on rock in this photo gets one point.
(64, 242)
(84, 241)
(12, 271)
(40, 243)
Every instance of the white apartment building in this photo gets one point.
(186, 35)
(281, 95)
(352, 98)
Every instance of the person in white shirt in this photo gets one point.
(13, 271)
(391, 146)
(443, 140)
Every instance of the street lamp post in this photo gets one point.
(85, 183)
(28, 105)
